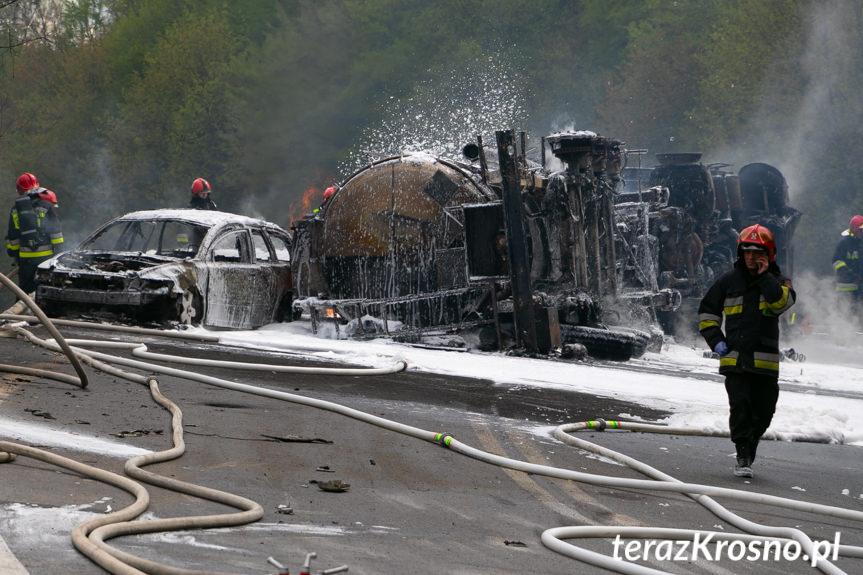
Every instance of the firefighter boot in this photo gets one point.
(743, 467)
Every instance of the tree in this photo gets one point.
(174, 124)
(649, 103)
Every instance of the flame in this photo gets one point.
(311, 199)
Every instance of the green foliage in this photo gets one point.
(172, 126)
(124, 102)
(754, 48)
(84, 20)
(648, 104)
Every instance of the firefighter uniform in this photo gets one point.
(201, 191)
(847, 262)
(202, 203)
(34, 233)
(749, 347)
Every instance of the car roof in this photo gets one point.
(207, 218)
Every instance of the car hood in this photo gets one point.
(139, 264)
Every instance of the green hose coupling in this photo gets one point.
(602, 425)
(443, 439)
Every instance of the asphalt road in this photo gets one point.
(412, 506)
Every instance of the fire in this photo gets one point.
(310, 200)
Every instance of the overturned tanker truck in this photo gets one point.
(496, 251)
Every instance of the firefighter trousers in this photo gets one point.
(752, 399)
(27, 273)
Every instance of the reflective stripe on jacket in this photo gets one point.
(751, 307)
(44, 240)
(847, 264)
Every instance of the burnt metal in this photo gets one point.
(527, 258)
(485, 241)
(170, 267)
(516, 242)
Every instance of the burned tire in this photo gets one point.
(645, 341)
(605, 343)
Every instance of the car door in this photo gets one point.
(233, 283)
(277, 261)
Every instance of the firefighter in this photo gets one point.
(34, 229)
(328, 193)
(201, 195)
(751, 296)
(847, 263)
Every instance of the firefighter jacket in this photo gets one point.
(34, 226)
(198, 203)
(847, 264)
(752, 306)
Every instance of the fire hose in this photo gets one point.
(79, 369)
(551, 538)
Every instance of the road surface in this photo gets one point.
(413, 506)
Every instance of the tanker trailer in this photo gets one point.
(414, 243)
(389, 244)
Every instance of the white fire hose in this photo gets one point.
(120, 523)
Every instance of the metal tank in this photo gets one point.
(414, 242)
(396, 228)
(540, 258)
(697, 227)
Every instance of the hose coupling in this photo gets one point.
(602, 425)
(443, 439)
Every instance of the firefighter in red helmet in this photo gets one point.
(847, 262)
(201, 196)
(34, 233)
(751, 296)
(328, 193)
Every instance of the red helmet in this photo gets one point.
(853, 227)
(329, 192)
(200, 185)
(760, 236)
(26, 182)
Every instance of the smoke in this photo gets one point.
(448, 110)
(807, 124)
(826, 65)
(824, 324)
(814, 122)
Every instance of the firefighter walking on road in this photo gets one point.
(751, 296)
(847, 262)
(34, 232)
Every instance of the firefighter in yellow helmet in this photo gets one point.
(847, 262)
(751, 296)
(34, 233)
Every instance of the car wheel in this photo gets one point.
(189, 304)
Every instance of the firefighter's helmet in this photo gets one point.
(759, 237)
(855, 225)
(26, 182)
(199, 186)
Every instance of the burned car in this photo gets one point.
(191, 267)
